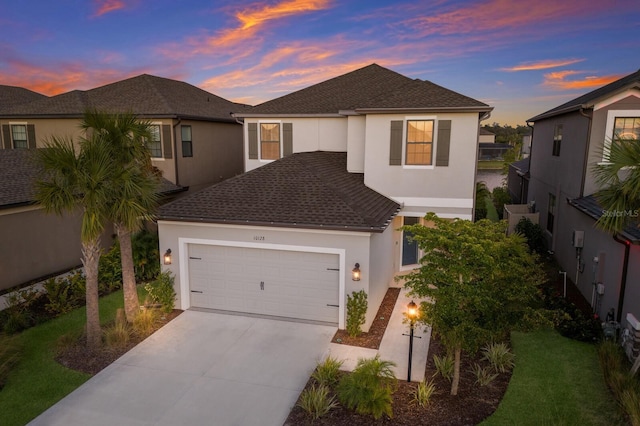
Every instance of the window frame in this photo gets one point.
(260, 140)
(26, 136)
(612, 115)
(551, 213)
(186, 153)
(432, 143)
(409, 266)
(159, 142)
(557, 140)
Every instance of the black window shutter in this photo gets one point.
(6, 137)
(444, 142)
(395, 146)
(31, 136)
(166, 141)
(287, 139)
(252, 130)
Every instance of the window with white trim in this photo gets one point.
(155, 142)
(269, 141)
(419, 143)
(19, 136)
(626, 128)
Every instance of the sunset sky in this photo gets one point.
(520, 57)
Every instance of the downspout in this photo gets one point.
(529, 171)
(623, 279)
(586, 150)
(175, 157)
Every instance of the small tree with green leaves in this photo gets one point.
(356, 312)
(481, 281)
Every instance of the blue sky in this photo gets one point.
(520, 57)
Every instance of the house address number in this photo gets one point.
(258, 237)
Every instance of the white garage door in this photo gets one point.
(283, 283)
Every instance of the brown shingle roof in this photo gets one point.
(371, 87)
(19, 170)
(145, 95)
(11, 96)
(305, 190)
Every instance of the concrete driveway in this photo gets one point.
(201, 369)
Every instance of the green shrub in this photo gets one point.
(444, 366)
(60, 297)
(499, 356)
(316, 401)
(356, 312)
(484, 375)
(534, 235)
(161, 291)
(146, 256)
(569, 320)
(500, 196)
(18, 314)
(423, 393)
(327, 373)
(110, 271)
(369, 388)
(10, 350)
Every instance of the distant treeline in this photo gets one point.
(507, 133)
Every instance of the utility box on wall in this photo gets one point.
(578, 239)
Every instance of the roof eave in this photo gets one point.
(286, 115)
(423, 109)
(376, 229)
(548, 114)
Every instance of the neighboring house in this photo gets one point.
(195, 141)
(486, 136)
(11, 96)
(567, 142)
(35, 244)
(518, 181)
(490, 151)
(333, 172)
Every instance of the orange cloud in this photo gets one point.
(558, 80)
(107, 6)
(542, 65)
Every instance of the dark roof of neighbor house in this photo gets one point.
(303, 190)
(19, 170)
(12, 95)
(372, 88)
(589, 205)
(589, 99)
(485, 132)
(145, 95)
(521, 166)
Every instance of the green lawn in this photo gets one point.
(38, 381)
(556, 381)
(490, 165)
(492, 213)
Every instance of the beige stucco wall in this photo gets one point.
(353, 247)
(356, 138)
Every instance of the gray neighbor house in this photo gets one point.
(567, 142)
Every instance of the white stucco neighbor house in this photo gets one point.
(332, 172)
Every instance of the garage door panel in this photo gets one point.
(295, 284)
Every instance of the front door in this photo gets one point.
(409, 247)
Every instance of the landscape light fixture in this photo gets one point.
(167, 257)
(356, 272)
(412, 315)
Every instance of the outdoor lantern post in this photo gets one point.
(412, 314)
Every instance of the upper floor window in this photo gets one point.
(419, 142)
(557, 140)
(269, 141)
(626, 128)
(155, 143)
(187, 143)
(19, 136)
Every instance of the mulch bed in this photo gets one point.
(77, 356)
(471, 406)
(373, 337)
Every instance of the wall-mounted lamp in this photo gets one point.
(356, 273)
(167, 257)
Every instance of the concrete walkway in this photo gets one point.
(394, 346)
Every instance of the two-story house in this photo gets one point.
(333, 172)
(568, 141)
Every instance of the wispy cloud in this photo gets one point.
(561, 80)
(107, 6)
(542, 65)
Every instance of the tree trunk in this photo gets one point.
(90, 259)
(131, 302)
(456, 372)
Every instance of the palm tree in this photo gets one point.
(482, 193)
(73, 180)
(135, 187)
(619, 180)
